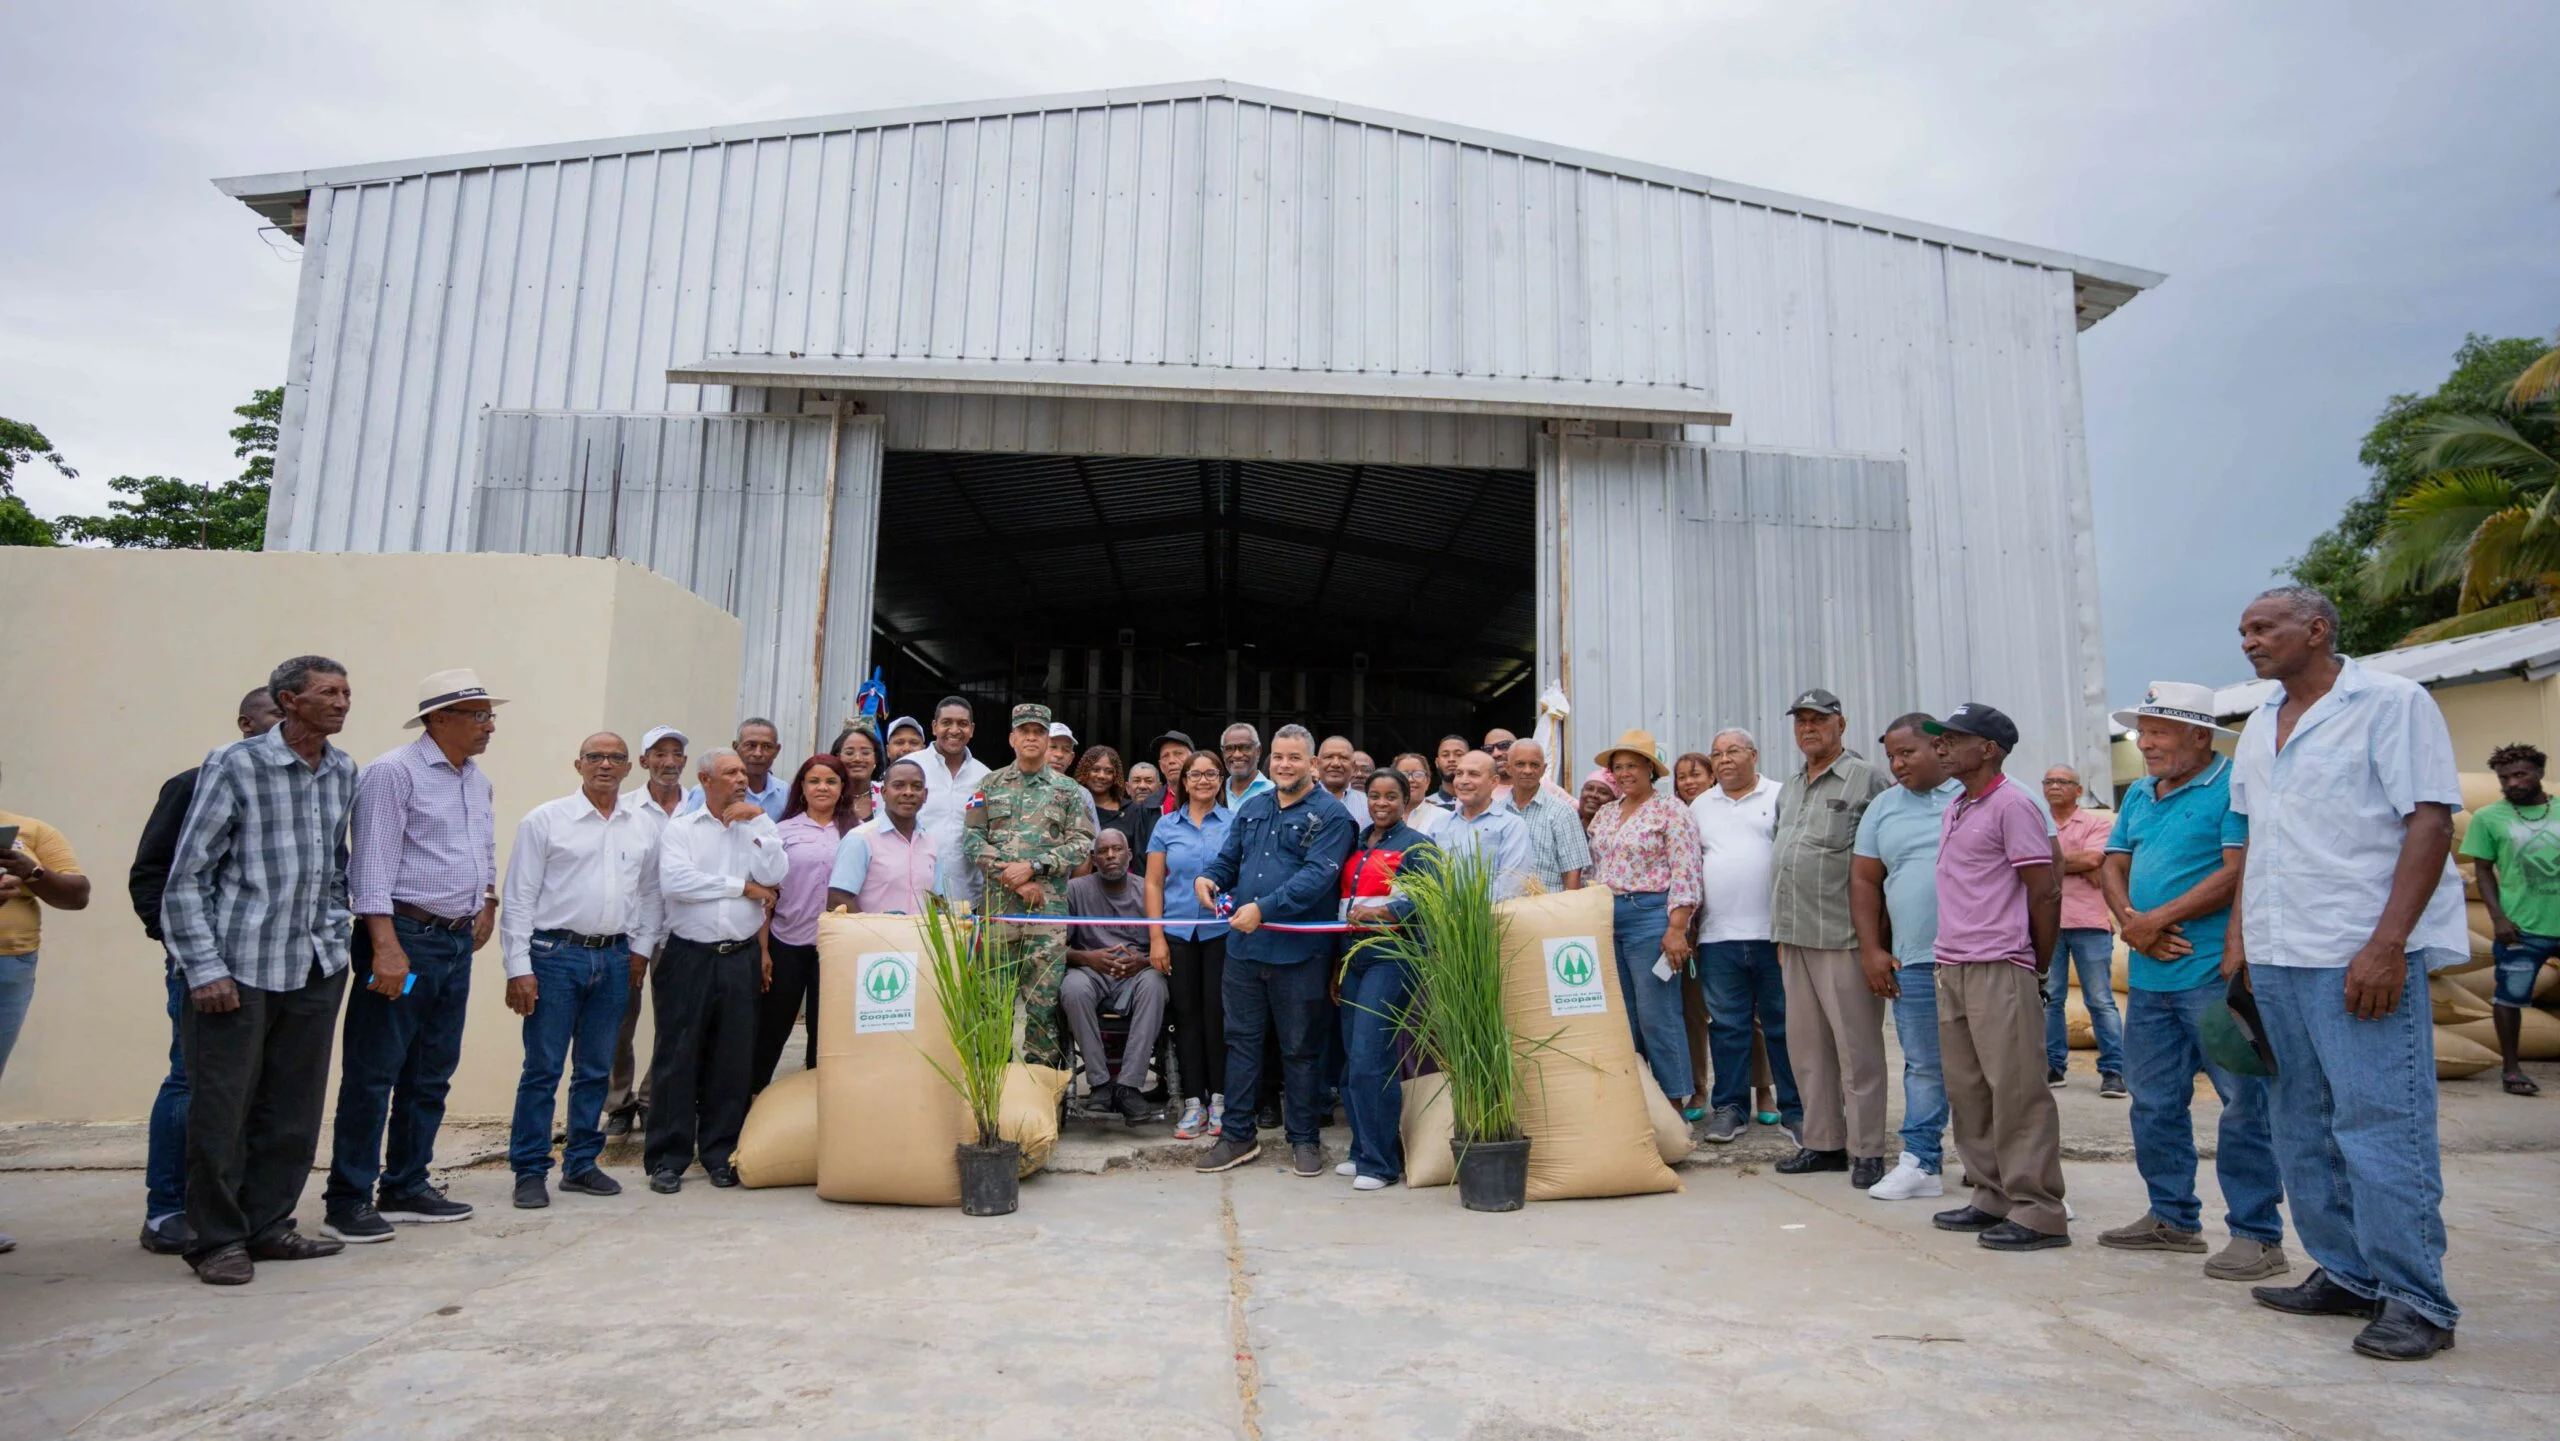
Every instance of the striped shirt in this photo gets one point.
(1556, 841)
(256, 891)
(425, 833)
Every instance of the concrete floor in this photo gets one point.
(1154, 1303)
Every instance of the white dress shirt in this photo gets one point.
(1741, 840)
(2327, 816)
(575, 868)
(946, 807)
(1427, 816)
(704, 866)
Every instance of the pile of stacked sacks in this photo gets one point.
(2466, 1038)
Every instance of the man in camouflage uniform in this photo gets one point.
(1025, 832)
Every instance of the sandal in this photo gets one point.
(2520, 1084)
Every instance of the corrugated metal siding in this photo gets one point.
(1021, 425)
(1710, 586)
(730, 507)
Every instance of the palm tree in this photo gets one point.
(2486, 519)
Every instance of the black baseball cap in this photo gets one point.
(1156, 747)
(1817, 700)
(1973, 718)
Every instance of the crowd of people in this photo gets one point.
(1211, 898)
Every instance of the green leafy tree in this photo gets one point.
(20, 444)
(2481, 523)
(2396, 454)
(161, 512)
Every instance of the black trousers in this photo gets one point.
(701, 1066)
(1199, 1015)
(259, 1074)
(795, 976)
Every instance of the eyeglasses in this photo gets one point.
(1239, 750)
(605, 758)
(475, 717)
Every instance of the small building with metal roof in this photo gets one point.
(1205, 401)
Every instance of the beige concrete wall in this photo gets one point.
(2488, 714)
(125, 667)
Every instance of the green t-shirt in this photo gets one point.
(2526, 851)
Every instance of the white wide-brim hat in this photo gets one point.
(2176, 700)
(448, 687)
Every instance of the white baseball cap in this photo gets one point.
(1059, 728)
(663, 733)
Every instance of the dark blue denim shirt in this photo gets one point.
(1288, 860)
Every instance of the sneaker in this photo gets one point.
(1908, 1180)
(1725, 1127)
(1306, 1160)
(1226, 1155)
(591, 1182)
(1217, 1116)
(2055, 1077)
(1195, 1119)
(1791, 1128)
(2153, 1234)
(357, 1225)
(531, 1193)
(2247, 1260)
(1346, 1168)
(425, 1206)
(168, 1236)
(2111, 1085)
(1368, 1183)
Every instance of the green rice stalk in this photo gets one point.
(976, 971)
(1456, 1015)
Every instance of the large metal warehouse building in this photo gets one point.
(1206, 401)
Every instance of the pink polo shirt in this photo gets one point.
(1982, 905)
(2084, 906)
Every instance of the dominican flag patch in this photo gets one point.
(976, 802)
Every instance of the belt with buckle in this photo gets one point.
(719, 948)
(617, 942)
(430, 919)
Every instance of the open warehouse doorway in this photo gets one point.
(1390, 603)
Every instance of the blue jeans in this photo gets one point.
(164, 1171)
(1744, 987)
(1284, 1003)
(2353, 1107)
(2519, 965)
(2164, 1048)
(2094, 950)
(17, 990)
(1924, 1085)
(1654, 1011)
(1373, 994)
(399, 1058)
(577, 1011)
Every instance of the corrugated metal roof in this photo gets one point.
(2527, 652)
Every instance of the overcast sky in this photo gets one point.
(2338, 192)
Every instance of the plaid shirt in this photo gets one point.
(258, 891)
(1556, 841)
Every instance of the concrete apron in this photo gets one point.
(1150, 1303)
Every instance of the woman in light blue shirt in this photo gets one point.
(1193, 957)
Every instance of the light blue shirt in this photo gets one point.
(2326, 821)
(1229, 801)
(1901, 829)
(1501, 837)
(775, 795)
(1188, 848)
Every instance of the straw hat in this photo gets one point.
(1641, 744)
(2177, 701)
(445, 688)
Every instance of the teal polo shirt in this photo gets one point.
(2175, 843)
(1901, 829)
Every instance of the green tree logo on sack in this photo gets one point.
(887, 982)
(1574, 984)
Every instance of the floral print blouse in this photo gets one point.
(1656, 849)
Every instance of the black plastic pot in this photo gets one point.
(1493, 1175)
(990, 1179)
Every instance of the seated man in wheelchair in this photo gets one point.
(1108, 973)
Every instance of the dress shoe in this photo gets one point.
(2316, 1296)
(1965, 1218)
(591, 1182)
(531, 1193)
(1807, 1160)
(2019, 1236)
(666, 1183)
(1866, 1171)
(723, 1177)
(171, 1237)
(1132, 1105)
(294, 1246)
(229, 1266)
(2401, 1334)
(618, 1124)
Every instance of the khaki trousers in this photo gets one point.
(1835, 1041)
(1991, 1048)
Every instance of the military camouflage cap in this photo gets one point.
(1031, 713)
